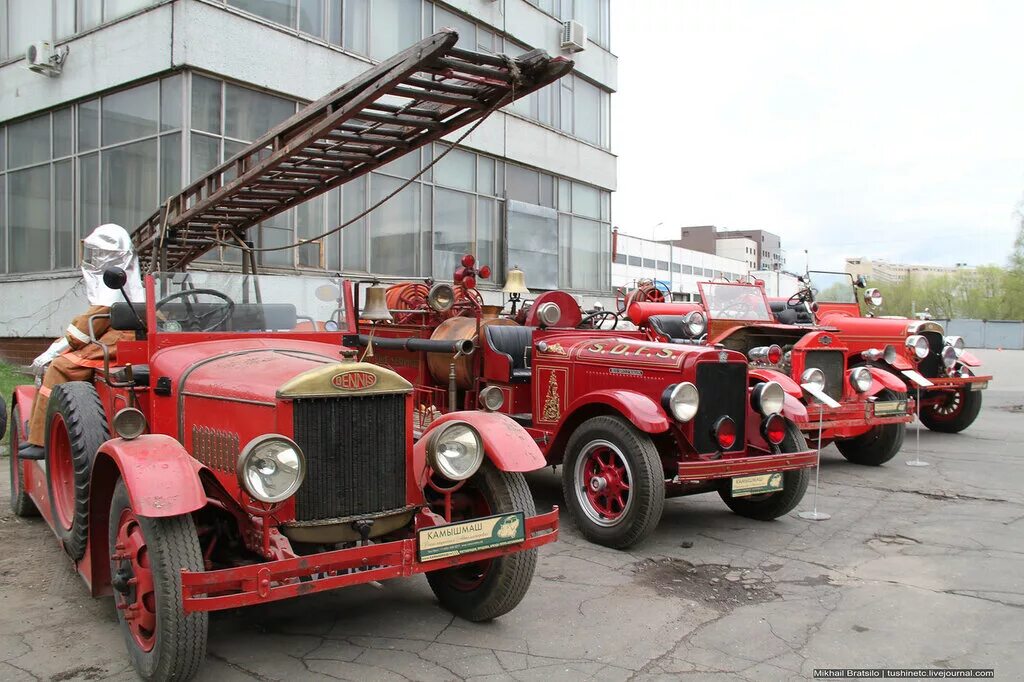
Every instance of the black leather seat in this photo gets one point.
(517, 344)
(672, 326)
(139, 372)
(787, 314)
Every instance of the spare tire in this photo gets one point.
(76, 427)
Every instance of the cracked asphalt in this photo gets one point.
(918, 567)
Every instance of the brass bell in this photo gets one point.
(515, 282)
(375, 308)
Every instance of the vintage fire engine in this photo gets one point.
(234, 454)
(631, 421)
(917, 352)
(862, 409)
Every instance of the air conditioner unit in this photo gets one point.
(43, 58)
(574, 36)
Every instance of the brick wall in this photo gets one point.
(22, 351)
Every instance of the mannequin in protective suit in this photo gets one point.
(73, 357)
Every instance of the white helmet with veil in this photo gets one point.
(107, 246)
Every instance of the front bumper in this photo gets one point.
(866, 413)
(707, 469)
(230, 588)
(978, 383)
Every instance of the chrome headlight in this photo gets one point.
(549, 314)
(768, 397)
(956, 343)
(949, 356)
(455, 451)
(815, 377)
(271, 468)
(873, 297)
(696, 323)
(129, 423)
(681, 401)
(860, 379)
(441, 297)
(918, 345)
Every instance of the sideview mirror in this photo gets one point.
(115, 278)
(861, 282)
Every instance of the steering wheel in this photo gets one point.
(802, 296)
(588, 322)
(200, 322)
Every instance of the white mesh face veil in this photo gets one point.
(110, 246)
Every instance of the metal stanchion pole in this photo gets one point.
(814, 514)
(917, 461)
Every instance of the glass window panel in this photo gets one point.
(64, 21)
(64, 214)
(28, 21)
(355, 25)
(587, 118)
(334, 21)
(457, 169)
(230, 150)
(564, 249)
(3, 152)
(309, 223)
(311, 17)
(546, 98)
(29, 216)
(522, 184)
(277, 232)
(487, 237)
(332, 248)
(404, 166)
(29, 142)
(112, 9)
(3, 223)
(620, 258)
(128, 183)
(532, 243)
(485, 40)
(278, 11)
(606, 205)
(465, 28)
(395, 26)
(248, 114)
(89, 192)
(205, 154)
(428, 156)
(88, 125)
(205, 104)
(353, 246)
(394, 227)
(564, 195)
(586, 200)
(62, 123)
(453, 230)
(170, 103)
(170, 165)
(547, 190)
(485, 175)
(426, 247)
(90, 14)
(565, 112)
(130, 114)
(635, 260)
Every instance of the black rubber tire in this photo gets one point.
(3, 417)
(771, 506)
(968, 413)
(172, 544)
(648, 482)
(79, 405)
(21, 504)
(508, 577)
(880, 444)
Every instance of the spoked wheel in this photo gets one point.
(880, 444)
(21, 504)
(146, 559)
(768, 506)
(613, 482)
(953, 412)
(484, 590)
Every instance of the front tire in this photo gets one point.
(955, 413)
(487, 589)
(76, 427)
(613, 482)
(163, 641)
(880, 444)
(21, 504)
(770, 506)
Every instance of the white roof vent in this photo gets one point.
(43, 58)
(574, 36)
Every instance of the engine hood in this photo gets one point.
(623, 351)
(893, 329)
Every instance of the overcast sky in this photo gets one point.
(890, 129)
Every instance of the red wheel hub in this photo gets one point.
(607, 482)
(948, 406)
(132, 578)
(61, 471)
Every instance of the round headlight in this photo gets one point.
(271, 468)
(549, 314)
(860, 379)
(696, 323)
(768, 398)
(873, 297)
(815, 377)
(441, 297)
(129, 423)
(956, 343)
(491, 398)
(918, 345)
(681, 401)
(949, 356)
(455, 451)
(889, 354)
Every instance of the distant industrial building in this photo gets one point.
(762, 248)
(880, 270)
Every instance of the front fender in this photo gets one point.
(506, 443)
(882, 378)
(761, 374)
(793, 408)
(644, 413)
(901, 363)
(162, 479)
(969, 359)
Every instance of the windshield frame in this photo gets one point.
(817, 292)
(715, 314)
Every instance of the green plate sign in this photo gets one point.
(756, 485)
(884, 408)
(456, 539)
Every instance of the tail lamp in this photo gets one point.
(724, 433)
(774, 429)
(771, 355)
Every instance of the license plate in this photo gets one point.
(756, 485)
(979, 385)
(884, 408)
(456, 539)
